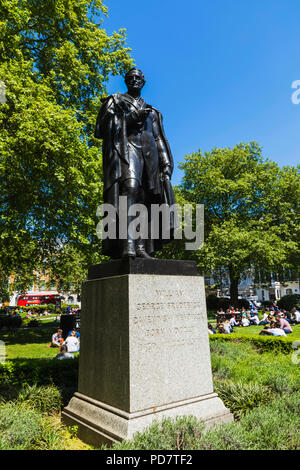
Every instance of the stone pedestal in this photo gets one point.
(144, 350)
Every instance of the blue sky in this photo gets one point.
(220, 71)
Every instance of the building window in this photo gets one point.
(289, 291)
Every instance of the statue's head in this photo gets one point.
(134, 79)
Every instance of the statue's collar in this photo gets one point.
(136, 102)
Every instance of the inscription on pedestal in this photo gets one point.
(168, 330)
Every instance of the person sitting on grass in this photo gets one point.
(211, 329)
(77, 334)
(271, 318)
(233, 321)
(295, 316)
(64, 354)
(273, 330)
(265, 331)
(220, 328)
(72, 342)
(284, 324)
(264, 320)
(254, 319)
(245, 320)
(227, 327)
(57, 339)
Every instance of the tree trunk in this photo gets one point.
(234, 282)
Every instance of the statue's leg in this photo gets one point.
(141, 245)
(130, 189)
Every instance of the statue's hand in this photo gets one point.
(166, 171)
(143, 113)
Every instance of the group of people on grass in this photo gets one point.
(275, 322)
(66, 346)
(11, 312)
(37, 313)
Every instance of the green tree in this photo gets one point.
(251, 211)
(55, 60)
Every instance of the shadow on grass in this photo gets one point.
(27, 336)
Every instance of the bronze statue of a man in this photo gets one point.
(137, 161)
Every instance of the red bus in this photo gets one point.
(38, 299)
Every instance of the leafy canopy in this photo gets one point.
(55, 59)
(251, 210)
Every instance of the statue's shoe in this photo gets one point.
(129, 251)
(141, 253)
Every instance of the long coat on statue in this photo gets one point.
(126, 141)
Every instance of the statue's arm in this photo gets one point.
(105, 116)
(165, 157)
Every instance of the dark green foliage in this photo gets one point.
(19, 427)
(39, 308)
(224, 303)
(282, 384)
(8, 392)
(262, 343)
(267, 303)
(23, 428)
(10, 322)
(33, 323)
(251, 212)
(242, 303)
(46, 399)
(63, 374)
(287, 302)
(55, 61)
(179, 434)
(274, 426)
(270, 427)
(64, 306)
(212, 302)
(240, 398)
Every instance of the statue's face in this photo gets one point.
(134, 81)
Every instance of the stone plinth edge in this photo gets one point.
(116, 425)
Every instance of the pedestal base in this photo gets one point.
(99, 423)
(144, 350)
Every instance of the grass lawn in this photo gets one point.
(255, 330)
(29, 343)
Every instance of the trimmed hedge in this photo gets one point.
(42, 307)
(65, 306)
(39, 371)
(262, 343)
